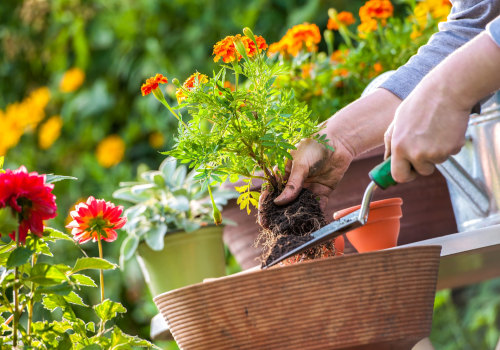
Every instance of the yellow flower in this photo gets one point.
(10, 133)
(39, 97)
(49, 132)
(437, 9)
(72, 79)
(23, 116)
(366, 27)
(156, 140)
(110, 151)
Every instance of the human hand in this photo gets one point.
(430, 124)
(316, 168)
(428, 127)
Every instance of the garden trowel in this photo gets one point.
(381, 177)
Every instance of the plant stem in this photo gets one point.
(165, 103)
(16, 299)
(235, 63)
(101, 280)
(30, 301)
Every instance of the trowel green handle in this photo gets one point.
(381, 174)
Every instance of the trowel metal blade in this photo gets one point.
(328, 232)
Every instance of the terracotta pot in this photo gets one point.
(381, 230)
(376, 300)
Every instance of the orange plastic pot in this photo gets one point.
(381, 231)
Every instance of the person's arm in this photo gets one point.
(431, 122)
(467, 19)
(357, 128)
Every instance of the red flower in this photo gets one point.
(96, 219)
(30, 197)
(152, 84)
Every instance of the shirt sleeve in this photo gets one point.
(467, 19)
(493, 30)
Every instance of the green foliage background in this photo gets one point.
(119, 43)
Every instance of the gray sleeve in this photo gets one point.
(466, 20)
(493, 30)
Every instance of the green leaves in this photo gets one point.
(108, 310)
(250, 130)
(247, 197)
(8, 221)
(155, 236)
(92, 263)
(170, 198)
(19, 256)
(51, 234)
(46, 274)
(51, 178)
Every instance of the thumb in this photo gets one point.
(294, 184)
(388, 140)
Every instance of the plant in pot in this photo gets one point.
(246, 132)
(170, 227)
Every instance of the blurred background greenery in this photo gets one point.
(70, 104)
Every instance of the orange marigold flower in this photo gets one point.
(339, 56)
(227, 84)
(302, 36)
(377, 67)
(152, 84)
(96, 219)
(376, 9)
(194, 80)
(343, 18)
(279, 46)
(226, 50)
(250, 45)
(307, 69)
(341, 72)
(367, 27)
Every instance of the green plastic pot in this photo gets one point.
(186, 258)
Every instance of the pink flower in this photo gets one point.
(96, 219)
(30, 197)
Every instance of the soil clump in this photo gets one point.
(287, 227)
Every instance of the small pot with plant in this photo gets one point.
(243, 127)
(171, 229)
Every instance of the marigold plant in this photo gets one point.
(245, 132)
(379, 39)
